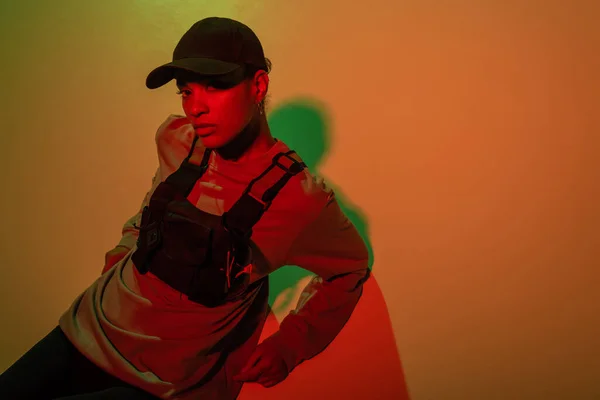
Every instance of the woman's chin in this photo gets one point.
(211, 141)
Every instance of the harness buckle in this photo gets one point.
(295, 168)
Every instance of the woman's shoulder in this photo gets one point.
(310, 187)
(307, 192)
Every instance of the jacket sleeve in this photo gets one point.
(332, 248)
(129, 231)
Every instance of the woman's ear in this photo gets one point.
(260, 85)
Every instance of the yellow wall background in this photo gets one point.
(465, 131)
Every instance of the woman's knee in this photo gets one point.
(40, 371)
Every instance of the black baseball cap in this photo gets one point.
(213, 46)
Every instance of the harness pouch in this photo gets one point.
(205, 256)
(188, 237)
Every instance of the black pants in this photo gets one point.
(55, 369)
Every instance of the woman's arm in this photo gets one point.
(332, 248)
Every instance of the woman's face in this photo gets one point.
(220, 107)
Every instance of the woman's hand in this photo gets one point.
(265, 366)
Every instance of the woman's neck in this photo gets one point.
(255, 139)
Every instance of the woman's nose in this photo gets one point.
(198, 107)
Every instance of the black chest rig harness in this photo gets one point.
(206, 256)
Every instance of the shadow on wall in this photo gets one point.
(303, 126)
(363, 361)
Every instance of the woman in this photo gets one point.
(180, 305)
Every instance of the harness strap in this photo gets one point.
(188, 173)
(258, 196)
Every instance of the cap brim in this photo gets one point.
(203, 66)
